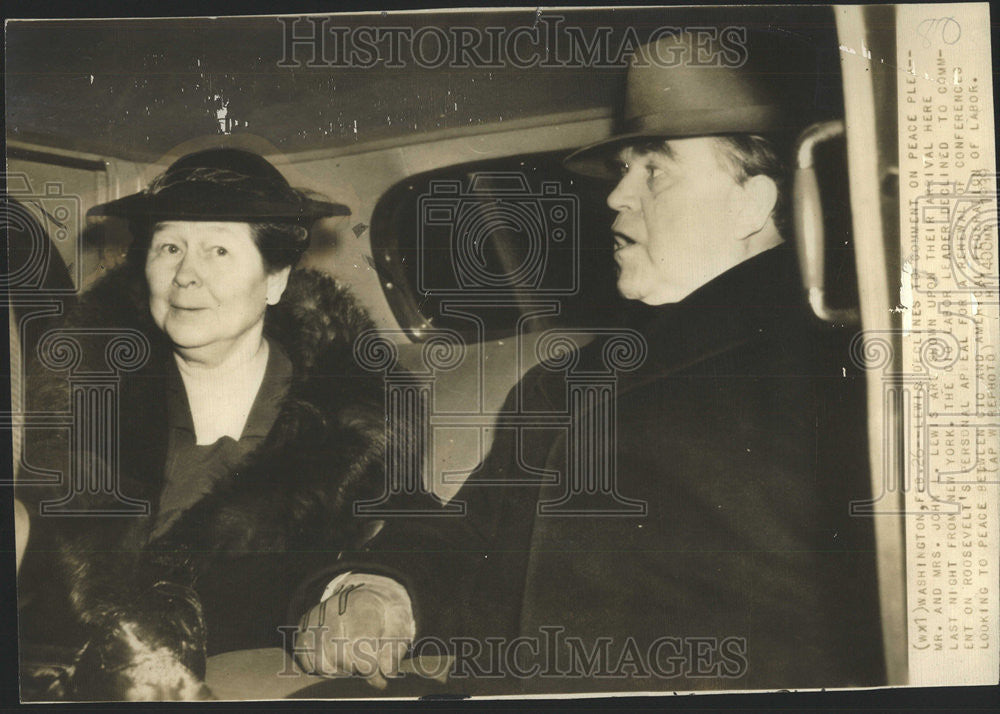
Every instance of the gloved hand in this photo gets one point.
(363, 625)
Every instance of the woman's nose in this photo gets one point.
(187, 271)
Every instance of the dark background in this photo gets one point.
(136, 88)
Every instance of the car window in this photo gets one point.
(841, 277)
(515, 233)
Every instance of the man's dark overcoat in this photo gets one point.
(744, 433)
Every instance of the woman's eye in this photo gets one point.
(170, 249)
(652, 170)
(220, 251)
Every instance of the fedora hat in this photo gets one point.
(696, 83)
(221, 185)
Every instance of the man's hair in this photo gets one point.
(746, 156)
(749, 155)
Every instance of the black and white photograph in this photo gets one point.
(492, 353)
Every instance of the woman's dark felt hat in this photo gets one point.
(221, 185)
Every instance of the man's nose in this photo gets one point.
(188, 273)
(623, 197)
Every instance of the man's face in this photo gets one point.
(676, 227)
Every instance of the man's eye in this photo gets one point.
(617, 167)
(652, 170)
(170, 248)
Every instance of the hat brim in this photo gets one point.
(594, 160)
(146, 206)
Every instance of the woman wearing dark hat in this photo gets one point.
(249, 430)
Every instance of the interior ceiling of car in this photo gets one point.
(136, 88)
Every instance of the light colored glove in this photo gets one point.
(363, 625)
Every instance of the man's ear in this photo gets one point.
(758, 196)
(276, 284)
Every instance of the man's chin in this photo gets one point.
(653, 299)
(628, 289)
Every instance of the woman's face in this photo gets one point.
(208, 285)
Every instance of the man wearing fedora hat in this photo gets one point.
(743, 433)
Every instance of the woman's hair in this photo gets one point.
(280, 244)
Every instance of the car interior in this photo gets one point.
(465, 226)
